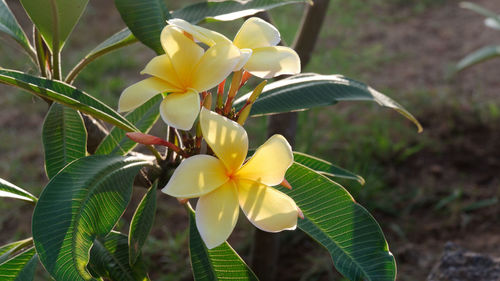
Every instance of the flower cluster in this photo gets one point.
(224, 182)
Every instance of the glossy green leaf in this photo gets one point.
(55, 19)
(65, 94)
(82, 202)
(325, 168)
(332, 218)
(146, 19)
(143, 117)
(220, 263)
(120, 39)
(305, 91)
(10, 190)
(64, 138)
(478, 56)
(21, 267)
(6, 251)
(492, 23)
(141, 223)
(479, 9)
(228, 10)
(109, 259)
(10, 26)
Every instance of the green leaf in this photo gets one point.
(10, 26)
(7, 250)
(120, 39)
(305, 91)
(65, 94)
(64, 138)
(479, 9)
(109, 259)
(492, 23)
(228, 10)
(146, 19)
(478, 56)
(82, 202)
(141, 223)
(8, 189)
(325, 168)
(21, 267)
(220, 263)
(351, 235)
(55, 19)
(143, 117)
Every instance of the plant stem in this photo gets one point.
(56, 51)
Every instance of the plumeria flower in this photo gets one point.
(224, 182)
(257, 42)
(183, 72)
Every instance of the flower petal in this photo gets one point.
(140, 92)
(217, 214)
(161, 67)
(245, 56)
(256, 33)
(180, 110)
(227, 138)
(201, 34)
(268, 62)
(196, 176)
(269, 163)
(183, 52)
(215, 65)
(267, 208)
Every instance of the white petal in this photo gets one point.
(140, 92)
(256, 33)
(268, 62)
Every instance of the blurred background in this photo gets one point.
(423, 189)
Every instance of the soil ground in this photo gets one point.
(444, 191)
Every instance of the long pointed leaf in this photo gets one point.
(20, 267)
(65, 94)
(54, 18)
(146, 19)
(214, 264)
(325, 168)
(82, 202)
(478, 56)
(10, 26)
(228, 10)
(351, 235)
(143, 117)
(305, 91)
(141, 223)
(109, 259)
(7, 250)
(8, 189)
(64, 138)
(120, 39)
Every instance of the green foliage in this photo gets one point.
(83, 202)
(109, 258)
(305, 91)
(145, 19)
(8, 189)
(120, 39)
(143, 117)
(213, 264)
(10, 26)
(55, 19)
(20, 267)
(485, 53)
(65, 94)
(341, 225)
(64, 138)
(141, 223)
(228, 10)
(325, 168)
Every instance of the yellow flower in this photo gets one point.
(183, 71)
(257, 42)
(225, 182)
